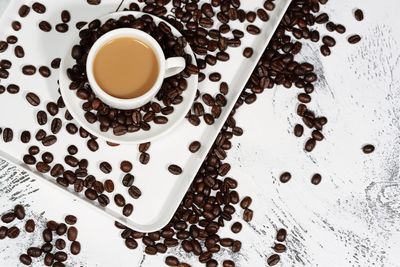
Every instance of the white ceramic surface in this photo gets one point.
(74, 104)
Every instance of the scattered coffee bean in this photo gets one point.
(127, 210)
(13, 89)
(44, 71)
(119, 200)
(247, 215)
(310, 145)
(75, 248)
(134, 192)
(368, 149)
(16, 25)
(30, 226)
(215, 77)
(18, 51)
(316, 179)
(126, 166)
(62, 27)
(248, 52)
(19, 212)
(273, 260)
(174, 169)
(236, 227)
(12, 39)
(72, 233)
(65, 16)
(285, 177)
(33, 99)
(194, 146)
(128, 180)
(25, 137)
(8, 135)
(171, 261)
(45, 26)
(24, 11)
(13, 232)
(246, 202)
(359, 14)
(105, 167)
(109, 186)
(281, 235)
(353, 39)
(25, 259)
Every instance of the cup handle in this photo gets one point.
(174, 65)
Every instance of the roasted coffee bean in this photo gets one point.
(353, 39)
(328, 41)
(316, 179)
(144, 147)
(29, 159)
(41, 117)
(62, 27)
(126, 166)
(171, 261)
(47, 235)
(72, 150)
(34, 252)
(72, 233)
(105, 167)
(94, 2)
(317, 135)
(5, 64)
(215, 77)
(358, 14)
(48, 259)
(16, 25)
(90, 194)
(228, 263)
(13, 89)
(246, 202)
(71, 128)
(60, 244)
(45, 26)
(25, 259)
(65, 16)
(13, 232)
(40, 135)
(8, 135)
(109, 186)
(30, 226)
(49, 140)
(247, 215)
(251, 16)
(19, 212)
(71, 219)
(24, 11)
(19, 51)
(12, 39)
(367, 149)
(25, 137)
(127, 210)
(134, 192)
(92, 145)
(8, 217)
(236, 227)
(131, 243)
(33, 99)
(248, 52)
(310, 145)
(60, 256)
(42, 167)
(55, 63)
(2, 89)
(75, 248)
(174, 169)
(61, 229)
(281, 235)
(119, 200)
(39, 8)
(52, 108)
(194, 146)
(285, 177)
(340, 28)
(45, 71)
(3, 232)
(128, 180)
(33, 150)
(322, 18)
(57, 170)
(262, 14)
(3, 46)
(58, 264)
(4, 74)
(304, 98)
(103, 200)
(273, 260)
(279, 248)
(298, 130)
(253, 29)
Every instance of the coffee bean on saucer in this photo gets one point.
(45, 26)
(39, 8)
(174, 169)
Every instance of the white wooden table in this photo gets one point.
(351, 219)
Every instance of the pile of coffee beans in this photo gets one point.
(127, 121)
(51, 252)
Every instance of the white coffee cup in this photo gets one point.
(167, 68)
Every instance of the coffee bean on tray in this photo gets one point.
(174, 169)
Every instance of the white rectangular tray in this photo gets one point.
(161, 191)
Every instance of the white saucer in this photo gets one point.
(74, 104)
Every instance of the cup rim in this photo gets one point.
(128, 103)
